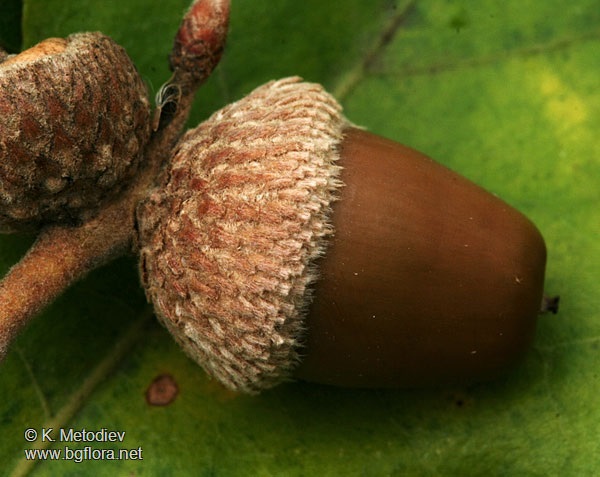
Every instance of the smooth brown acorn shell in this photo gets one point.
(429, 279)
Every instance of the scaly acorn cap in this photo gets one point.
(227, 244)
(74, 120)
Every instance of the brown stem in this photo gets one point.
(59, 257)
(62, 255)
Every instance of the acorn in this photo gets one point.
(75, 119)
(287, 243)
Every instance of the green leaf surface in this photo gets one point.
(10, 25)
(506, 93)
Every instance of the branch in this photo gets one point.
(62, 255)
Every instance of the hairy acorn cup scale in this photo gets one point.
(75, 119)
(414, 276)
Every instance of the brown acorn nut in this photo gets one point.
(75, 117)
(424, 277)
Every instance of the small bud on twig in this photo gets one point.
(200, 41)
(197, 49)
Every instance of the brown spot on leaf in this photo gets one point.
(162, 390)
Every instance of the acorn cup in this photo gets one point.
(287, 243)
(74, 120)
